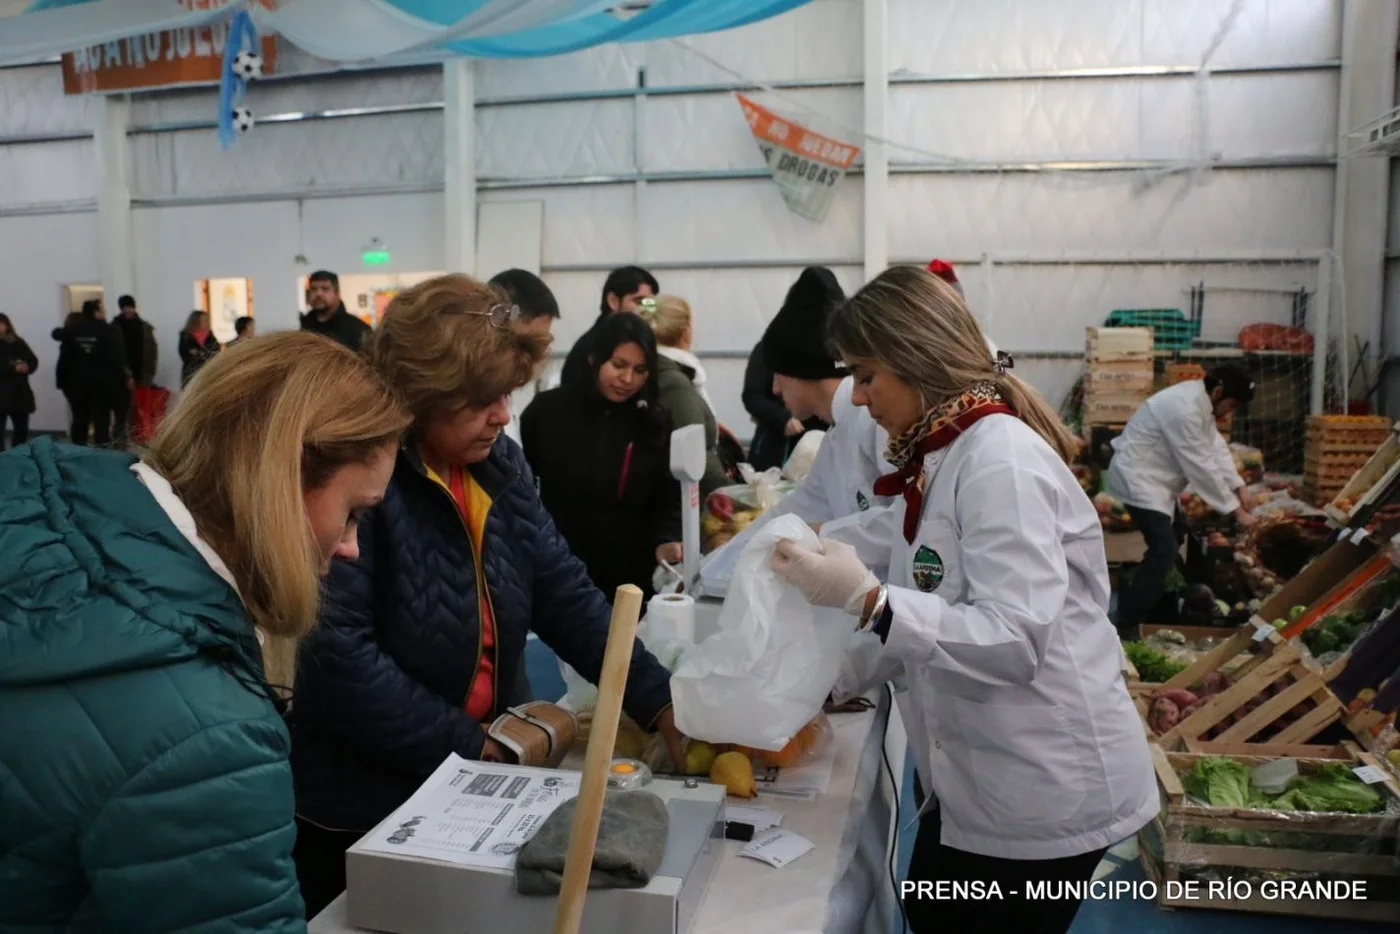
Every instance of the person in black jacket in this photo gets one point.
(328, 315)
(17, 361)
(198, 345)
(622, 291)
(94, 377)
(421, 638)
(601, 448)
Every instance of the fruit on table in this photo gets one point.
(734, 771)
(804, 742)
(1280, 623)
(1394, 757)
(699, 758)
(1296, 613)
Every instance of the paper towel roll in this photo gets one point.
(671, 617)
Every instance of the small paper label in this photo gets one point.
(777, 848)
(760, 819)
(1358, 536)
(1261, 631)
(1369, 774)
(1273, 777)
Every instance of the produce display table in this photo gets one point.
(841, 887)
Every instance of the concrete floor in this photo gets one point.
(1108, 917)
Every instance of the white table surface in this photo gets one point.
(841, 887)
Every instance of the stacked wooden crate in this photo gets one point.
(1337, 447)
(1119, 374)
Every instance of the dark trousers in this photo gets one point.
(121, 416)
(20, 421)
(92, 416)
(320, 857)
(933, 862)
(1164, 535)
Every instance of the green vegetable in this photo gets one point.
(1333, 788)
(1280, 624)
(1296, 613)
(1223, 783)
(1153, 666)
(1175, 580)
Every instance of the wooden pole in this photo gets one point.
(588, 812)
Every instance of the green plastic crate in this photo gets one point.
(1172, 330)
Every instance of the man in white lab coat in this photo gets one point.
(538, 310)
(1171, 443)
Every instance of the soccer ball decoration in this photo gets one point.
(248, 65)
(242, 119)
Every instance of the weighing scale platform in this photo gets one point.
(400, 894)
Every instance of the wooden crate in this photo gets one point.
(1114, 409)
(1368, 483)
(1116, 345)
(1347, 432)
(1267, 680)
(1363, 847)
(1175, 373)
(1126, 378)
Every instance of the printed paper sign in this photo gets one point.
(806, 165)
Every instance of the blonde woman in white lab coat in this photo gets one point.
(997, 612)
(1170, 443)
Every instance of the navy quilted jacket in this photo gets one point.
(144, 784)
(383, 680)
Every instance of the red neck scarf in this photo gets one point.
(939, 427)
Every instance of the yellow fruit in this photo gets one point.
(734, 771)
(1394, 757)
(630, 744)
(699, 757)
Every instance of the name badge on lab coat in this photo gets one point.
(927, 569)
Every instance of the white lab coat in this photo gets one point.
(1169, 444)
(1018, 715)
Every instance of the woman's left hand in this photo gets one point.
(670, 553)
(675, 741)
(834, 577)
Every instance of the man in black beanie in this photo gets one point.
(805, 374)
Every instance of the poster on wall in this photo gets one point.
(806, 165)
(225, 301)
(168, 58)
(75, 295)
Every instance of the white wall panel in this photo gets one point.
(603, 68)
(41, 255)
(1238, 210)
(710, 132)
(276, 97)
(745, 219)
(374, 152)
(1114, 119)
(589, 224)
(32, 101)
(550, 140)
(974, 36)
(47, 173)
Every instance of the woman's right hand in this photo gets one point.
(794, 428)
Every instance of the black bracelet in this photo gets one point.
(881, 627)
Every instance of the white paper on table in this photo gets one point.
(474, 813)
(760, 819)
(777, 848)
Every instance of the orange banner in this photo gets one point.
(161, 59)
(767, 125)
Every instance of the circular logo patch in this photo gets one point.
(928, 569)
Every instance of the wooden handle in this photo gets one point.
(588, 812)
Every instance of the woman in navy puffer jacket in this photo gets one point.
(422, 639)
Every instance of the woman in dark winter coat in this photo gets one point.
(600, 447)
(17, 361)
(197, 346)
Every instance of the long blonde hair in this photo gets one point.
(919, 327)
(262, 423)
(670, 318)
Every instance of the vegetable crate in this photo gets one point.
(1369, 484)
(1255, 686)
(1118, 345)
(1337, 447)
(1258, 856)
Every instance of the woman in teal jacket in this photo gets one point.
(149, 611)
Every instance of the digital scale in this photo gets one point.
(400, 894)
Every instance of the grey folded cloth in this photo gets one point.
(631, 842)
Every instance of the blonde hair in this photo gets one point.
(263, 422)
(192, 319)
(669, 317)
(919, 327)
(440, 347)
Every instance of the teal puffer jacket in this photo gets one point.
(144, 782)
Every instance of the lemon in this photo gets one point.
(734, 771)
(699, 757)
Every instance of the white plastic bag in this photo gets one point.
(765, 674)
(803, 456)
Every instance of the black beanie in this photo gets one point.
(795, 343)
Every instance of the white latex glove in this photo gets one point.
(833, 577)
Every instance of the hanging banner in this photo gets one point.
(159, 59)
(806, 165)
